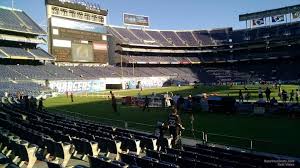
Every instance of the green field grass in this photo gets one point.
(272, 134)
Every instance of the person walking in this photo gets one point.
(175, 128)
(297, 95)
(72, 97)
(180, 103)
(146, 103)
(241, 97)
(284, 96)
(268, 94)
(41, 105)
(260, 93)
(292, 94)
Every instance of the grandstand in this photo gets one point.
(210, 50)
(20, 36)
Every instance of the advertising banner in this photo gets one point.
(136, 20)
(258, 22)
(77, 86)
(278, 18)
(296, 15)
(77, 25)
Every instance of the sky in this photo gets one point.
(168, 14)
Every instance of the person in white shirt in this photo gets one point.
(6, 94)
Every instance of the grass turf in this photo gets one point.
(273, 134)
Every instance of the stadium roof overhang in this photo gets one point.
(21, 39)
(37, 58)
(268, 13)
(153, 50)
(24, 32)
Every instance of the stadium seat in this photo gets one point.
(59, 150)
(186, 162)
(84, 147)
(109, 146)
(27, 153)
(128, 144)
(129, 158)
(146, 161)
(147, 143)
(164, 165)
(153, 154)
(96, 162)
(168, 157)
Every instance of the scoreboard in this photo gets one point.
(76, 35)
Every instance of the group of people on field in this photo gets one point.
(70, 95)
(173, 124)
(283, 95)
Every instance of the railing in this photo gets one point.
(199, 136)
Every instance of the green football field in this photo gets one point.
(276, 134)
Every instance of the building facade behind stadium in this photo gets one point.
(87, 55)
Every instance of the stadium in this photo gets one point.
(102, 95)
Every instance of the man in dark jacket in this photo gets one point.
(40, 106)
(146, 103)
(175, 127)
(114, 102)
(268, 94)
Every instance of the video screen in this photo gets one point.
(82, 53)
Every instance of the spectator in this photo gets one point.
(175, 127)
(18, 95)
(260, 93)
(241, 98)
(279, 88)
(175, 99)
(146, 103)
(33, 103)
(280, 95)
(268, 93)
(247, 94)
(27, 104)
(168, 102)
(72, 97)
(292, 94)
(40, 106)
(114, 102)
(284, 96)
(273, 101)
(180, 103)
(297, 95)
(160, 132)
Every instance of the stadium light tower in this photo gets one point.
(12, 4)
